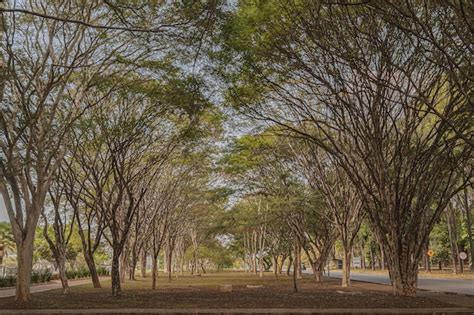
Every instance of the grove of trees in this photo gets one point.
(212, 134)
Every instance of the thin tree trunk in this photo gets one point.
(299, 270)
(123, 265)
(168, 263)
(61, 261)
(154, 271)
(290, 262)
(275, 266)
(451, 218)
(143, 264)
(467, 209)
(295, 268)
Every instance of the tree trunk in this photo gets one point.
(467, 209)
(426, 258)
(404, 284)
(123, 265)
(260, 267)
(61, 261)
(346, 266)
(295, 268)
(275, 266)
(154, 271)
(89, 258)
(143, 264)
(290, 262)
(25, 266)
(453, 238)
(317, 272)
(116, 288)
(280, 266)
(165, 259)
(168, 263)
(299, 270)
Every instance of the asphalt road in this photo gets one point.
(462, 286)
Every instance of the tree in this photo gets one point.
(340, 196)
(360, 89)
(63, 226)
(40, 101)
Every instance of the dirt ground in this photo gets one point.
(191, 292)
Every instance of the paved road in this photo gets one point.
(442, 285)
(55, 284)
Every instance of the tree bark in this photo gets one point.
(275, 266)
(143, 264)
(295, 268)
(467, 209)
(346, 267)
(169, 258)
(298, 259)
(453, 237)
(89, 258)
(290, 262)
(154, 271)
(61, 261)
(25, 265)
(115, 274)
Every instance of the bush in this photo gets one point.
(102, 271)
(45, 275)
(41, 276)
(7, 281)
(71, 274)
(83, 273)
(37, 276)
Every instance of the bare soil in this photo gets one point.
(188, 292)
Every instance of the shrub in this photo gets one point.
(71, 274)
(102, 271)
(7, 281)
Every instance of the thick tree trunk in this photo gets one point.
(260, 267)
(143, 264)
(346, 266)
(116, 287)
(403, 283)
(25, 266)
(89, 258)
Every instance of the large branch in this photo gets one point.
(90, 25)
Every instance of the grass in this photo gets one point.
(189, 292)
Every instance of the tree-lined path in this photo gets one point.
(173, 143)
